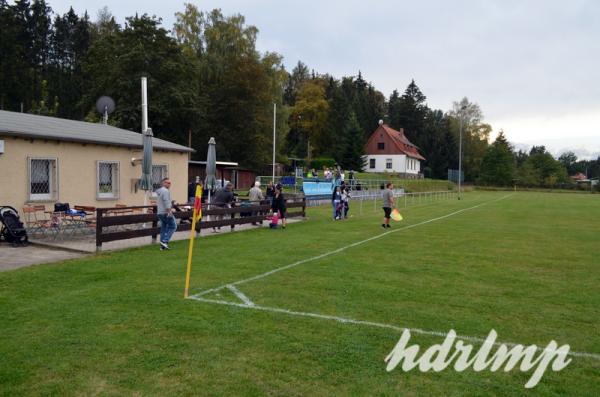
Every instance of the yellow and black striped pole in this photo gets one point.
(196, 216)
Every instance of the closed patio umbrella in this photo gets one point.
(146, 180)
(211, 166)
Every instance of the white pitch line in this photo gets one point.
(346, 320)
(240, 295)
(337, 251)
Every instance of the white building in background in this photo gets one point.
(388, 150)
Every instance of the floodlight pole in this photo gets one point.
(462, 109)
(274, 137)
(144, 105)
(145, 129)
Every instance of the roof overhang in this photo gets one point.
(25, 135)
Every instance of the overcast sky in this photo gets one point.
(532, 66)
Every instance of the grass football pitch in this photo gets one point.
(315, 308)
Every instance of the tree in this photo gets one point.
(45, 107)
(475, 134)
(38, 55)
(353, 155)
(116, 61)
(237, 86)
(569, 161)
(394, 108)
(295, 80)
(309, 114)
(188, 29)
(409, 112)
(70, 41)
(541, 169)
(440, 147)
(498, 165)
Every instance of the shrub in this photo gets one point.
(320, 162)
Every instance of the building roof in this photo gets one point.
(224, 163)
(44, 127)
(401, 142)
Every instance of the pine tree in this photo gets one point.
(411, 113)
(353, 138)
(498, 166)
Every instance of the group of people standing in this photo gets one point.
(223, 198)
(274, 193)
(340, 201)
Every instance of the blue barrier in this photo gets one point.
(317, 188)
(288, 180)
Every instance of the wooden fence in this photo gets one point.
(123, 223)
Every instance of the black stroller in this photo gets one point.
(12, 230)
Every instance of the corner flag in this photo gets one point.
(196, 216)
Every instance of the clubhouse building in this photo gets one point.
(44, 160)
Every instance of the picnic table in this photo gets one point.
(81, 220)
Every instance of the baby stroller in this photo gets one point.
(13, 230)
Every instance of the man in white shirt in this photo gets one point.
(165, 214)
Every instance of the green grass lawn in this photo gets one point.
(116, 324)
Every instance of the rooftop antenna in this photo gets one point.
(105, 106)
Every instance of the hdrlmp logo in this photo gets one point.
(436, 357)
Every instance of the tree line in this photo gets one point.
(206, 78)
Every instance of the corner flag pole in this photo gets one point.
(196, 215)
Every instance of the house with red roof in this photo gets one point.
(388, 150)
(579, 177)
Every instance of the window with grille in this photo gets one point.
(159, 172)
(108, 180)
(43, 179)
(371, 163)
(388, 164)
(381, 146)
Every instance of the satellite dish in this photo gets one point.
(105, 104)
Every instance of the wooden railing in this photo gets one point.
(123, 223)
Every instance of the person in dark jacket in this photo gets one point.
(278, 204)
(270, 191)
(223, 199)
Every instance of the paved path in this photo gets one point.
(16, 257)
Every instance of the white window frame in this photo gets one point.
(53, 183)
(372, 164)
(116, 181)
(389, 164)
(164, 175)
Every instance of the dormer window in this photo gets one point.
(381, 146)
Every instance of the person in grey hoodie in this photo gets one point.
(165, 214)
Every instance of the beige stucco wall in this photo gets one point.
(77, 172)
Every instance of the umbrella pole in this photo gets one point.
(208, 206)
